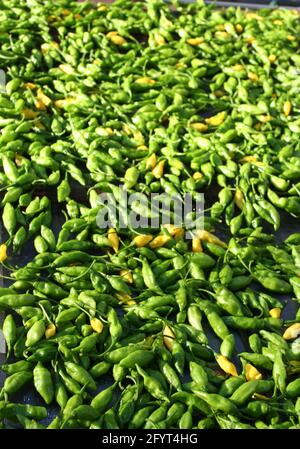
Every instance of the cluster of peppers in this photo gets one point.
(118, 328)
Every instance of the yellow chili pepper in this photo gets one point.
(104, 132)
(239, 28)
(196, 245)
(197, 175)
(131, 303)
(253, 76)
(159, 241)
(47, 46)
(174, 231)
(39, 125)
(252, 373)
(151, 161)
(292, 332)
(64, 102)
(97, 325)
(287, 108)
(248, 159)
(227, 366)
(264, 118)
(59, 103)
(138, 137)
(30, 86)
(222, 34)
(170, 228)
(142, 240)
(275, 313)
(228, 27)
(112, 33)
(126, 129)
(159, 39)
(253, 15)
(210, 238)
(127, 275)
(115, 38)
(3, 252)
(259, 164)
(239, 199)
(142, 147)
(291, 38)
(40, 105)
(238, 67)
(168, 338)
(201, 127)
(272, 58)
(145, 80)
(250, 39)
(118, 40)
(195, 40)
(179, 65)
(66, 68)
(29, 113)
(179, 233)
(114, 239)
(126, 299)
(44, 98)
(217, 119)
(50, 330)
(158, 170)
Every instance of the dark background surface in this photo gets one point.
(289, 225)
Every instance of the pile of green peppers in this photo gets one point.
(144, 328)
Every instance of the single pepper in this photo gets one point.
(9, 330)
(43, 382)
(152, 385)
(35, 333)
(80, 375)
(103, 399)
(16, 381)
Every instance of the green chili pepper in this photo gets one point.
(35, 333)
(80, 375)
(152, 385)
(279, 372)
(217, 402)
(16, 381)
(103, 399)
(43, 382)
(9, 330)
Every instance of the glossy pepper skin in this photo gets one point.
(200, 101)
(43, 382)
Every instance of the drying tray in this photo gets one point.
(289, 226)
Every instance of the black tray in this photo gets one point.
(290, 225)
